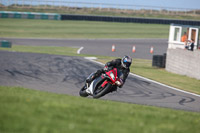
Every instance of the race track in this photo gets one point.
(66, 75)
(103, 46)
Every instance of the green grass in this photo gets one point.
(25, 28)
(43, 49)
(55, 50)
(145, 69)
(30, 111)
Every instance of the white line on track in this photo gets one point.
(164, 85)
(79, 50)
(153, 81)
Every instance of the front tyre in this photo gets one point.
(99, 92)
(83, 92)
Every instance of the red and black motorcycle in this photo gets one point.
(102, 85)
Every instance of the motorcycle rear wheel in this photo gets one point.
(83, 92)
(102, 92)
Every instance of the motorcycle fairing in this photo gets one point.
(94, 84)
(114, 71)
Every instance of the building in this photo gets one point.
(180, 58)
(181, 35)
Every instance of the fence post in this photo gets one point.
(194, 12)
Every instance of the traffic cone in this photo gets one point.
(113, 48)
(151, 50)
(133, 49)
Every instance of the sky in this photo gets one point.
(194, 4)
(190, 4)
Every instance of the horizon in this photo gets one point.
(126, 4)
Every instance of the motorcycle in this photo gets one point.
(102, 85)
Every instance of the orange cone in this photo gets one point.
(151, 50)
(133, 49)
(113, 48)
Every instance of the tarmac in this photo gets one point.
(66, 75)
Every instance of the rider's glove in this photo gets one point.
(122, 83)
(105, 68)
(121, 86)
(119, 83)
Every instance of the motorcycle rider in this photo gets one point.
(122, 66)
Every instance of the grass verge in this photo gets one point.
(43, 49)
(140, 67)
(31, 111)
(24, 28)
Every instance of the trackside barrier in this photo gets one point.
(159, 61)
(5, 44)
(29, 15)
(55, 16)
(128, 19)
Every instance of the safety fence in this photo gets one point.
(129, 20)
(55, 16)
(29, 15)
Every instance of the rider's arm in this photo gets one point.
(113, 63)
(110, 63)
(125, 75)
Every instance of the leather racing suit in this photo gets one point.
(113, 64)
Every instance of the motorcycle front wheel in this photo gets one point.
(101, 91)
(83, 92)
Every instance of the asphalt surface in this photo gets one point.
(103, 46)
(66, 75)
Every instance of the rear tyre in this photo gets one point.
(99, 92)
(83, 92)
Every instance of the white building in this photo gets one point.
(180, 60)
(176, 36)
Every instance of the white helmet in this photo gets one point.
(126, 61)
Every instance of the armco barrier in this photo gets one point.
(29, 15)
(128, 20)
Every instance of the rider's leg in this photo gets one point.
(97, 74)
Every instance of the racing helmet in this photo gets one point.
(126, 61)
